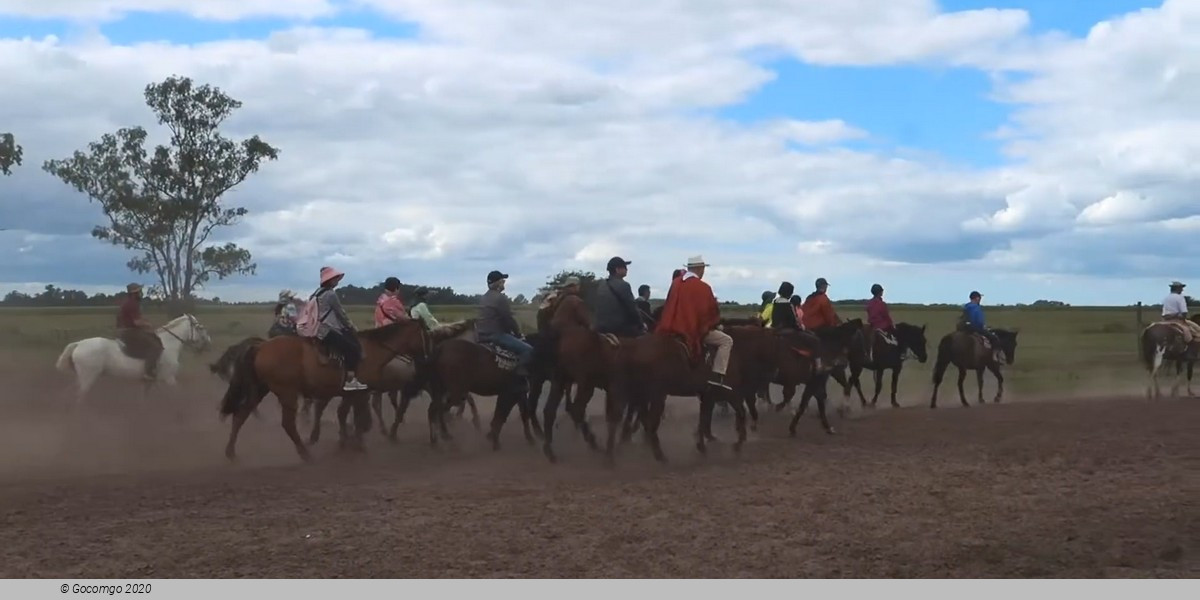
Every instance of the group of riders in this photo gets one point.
(690, 313)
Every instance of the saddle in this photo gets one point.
(887, 337)
(1176, 323)
(325, 353)
(505, 360)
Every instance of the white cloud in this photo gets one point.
(216, 10)
(532, 136)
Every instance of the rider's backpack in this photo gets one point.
(307, 321)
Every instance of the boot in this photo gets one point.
(352, 383)
(718, 380)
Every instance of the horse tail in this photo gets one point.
(65, 364)
(1152, 350)
(242, 383)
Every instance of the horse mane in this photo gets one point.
(183, 317)
(452, 330)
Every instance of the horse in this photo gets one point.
(646, 369)
(910, 340)
(90, 358)
(583, 358)
(460, 367)
(1160, 343)
(967, 350)
(291, 366)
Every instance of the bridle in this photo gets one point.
(190, 342)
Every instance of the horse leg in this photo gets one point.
(804, 398)
(1190, 366)
(504, 405)
(287, 403)
(557, 387)
(319, 405)
(895, 384)
(377, 406)
(979, 382)
(631, 423)
(789, 392)
(822, 395)
(343, 410)
(750, 400)
(653, 418)
(239, 419)
(739, 412)
(528, 408)
(878, 374)
(962, 396)
(469, 400)
(704, 427)
(995, 369)
(578, 410)
(406, 396)
(939, 371)
(856, 381)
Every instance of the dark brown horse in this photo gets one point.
(582, 358)
(646, 370)
(1162, 343)
(967, 350)
(910, 340)
(293, 366)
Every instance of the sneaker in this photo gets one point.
(353, 385)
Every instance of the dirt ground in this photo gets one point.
(126, 487)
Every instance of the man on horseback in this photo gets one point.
(783, 316)
(137, 333)
(496, 324)
(389, 308)
(768, 305)
(691, 311)
(818, 310)
(972, 320)
(1175, 309)
(616, 311)
(420, 310)
(879, 319)
(286, 311)
(645, 311)
(335, 328)
(570, 309)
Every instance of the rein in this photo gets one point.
(191, 328)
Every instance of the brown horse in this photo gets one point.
(461, 366)
(910, 339)
(646, 369)
(967, 350)
(292, 366)
(1161, 343)
(582, 358)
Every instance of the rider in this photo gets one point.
(766, 308)
(137, 333)
(643, 305)
(691, 311)
(783, 318)
(616, 311)
(336, 329)
(1175, 308)
(286, 310)
(973, 321)
(496, 324)
(880, 320)
(389, 308)
(818, 310)
(570, 311)
(420, 310)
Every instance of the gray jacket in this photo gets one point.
(616, 311)
(331, 314)
(495, 315)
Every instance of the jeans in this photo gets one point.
(511, 343)
(345, 343)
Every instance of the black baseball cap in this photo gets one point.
(617, 262)
(822, 283)
(495, 276)
(975, 294)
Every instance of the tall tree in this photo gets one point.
(10, 153)
(166, 204)
(587, 284)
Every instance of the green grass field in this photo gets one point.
(1091, 350)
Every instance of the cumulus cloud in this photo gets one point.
(215, 10)
(532, 136)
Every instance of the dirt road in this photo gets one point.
(1078, 488)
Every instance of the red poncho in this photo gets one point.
(690, 311)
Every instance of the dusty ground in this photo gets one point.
(1073, 488)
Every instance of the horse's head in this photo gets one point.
(187, 329)
(912, 338)
(1008, 343)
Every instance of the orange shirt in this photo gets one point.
(818, 311)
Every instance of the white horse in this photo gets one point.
(93, 357)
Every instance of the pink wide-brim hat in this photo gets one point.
(329, 274)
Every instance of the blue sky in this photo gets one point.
(928, 125)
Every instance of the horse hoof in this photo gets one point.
(549, 452)
(830, 431)
(737, 449)
(701, 448)
(791, 432)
